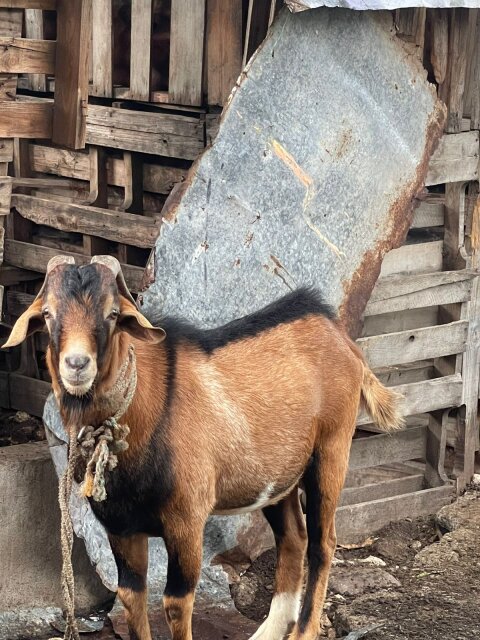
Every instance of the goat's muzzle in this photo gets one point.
(78, 371)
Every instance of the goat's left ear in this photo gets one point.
(135, 324)
(30, 321)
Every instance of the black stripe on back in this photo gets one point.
(294, 306)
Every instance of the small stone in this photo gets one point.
(358, 580)
(476, 480)
(373, 560)
(416, 545)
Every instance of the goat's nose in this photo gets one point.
(77, 362)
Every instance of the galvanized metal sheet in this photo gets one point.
(362, 5)
(311, 178)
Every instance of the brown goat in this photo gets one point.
(222, 421)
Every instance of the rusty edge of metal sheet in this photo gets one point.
(358, 289)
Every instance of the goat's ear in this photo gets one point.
(30, 321)
(134, 323)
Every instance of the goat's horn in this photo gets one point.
(57, 261)
(108, 261)
(114, 265)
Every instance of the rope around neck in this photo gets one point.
(101, 445)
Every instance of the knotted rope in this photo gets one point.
(100, 446)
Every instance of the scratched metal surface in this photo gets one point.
(324, 134)
(362, 5)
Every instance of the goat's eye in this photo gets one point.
(46, 314)
(114, 314)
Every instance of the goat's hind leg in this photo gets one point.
(287, 522)
(131, 557)
(323, 482)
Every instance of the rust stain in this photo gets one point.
(358, 288)
(345, 140)
(475, 233)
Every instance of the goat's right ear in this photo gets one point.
(30, 321)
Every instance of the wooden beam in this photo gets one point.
(26, 119)
(354, 522)
(35, 258)
(439, 43)
(102, 49)
(224, 48)
(71, 72)
(186, 51)
(20, 55)
(141, 46)
(378, 490)
(34, 30)
(28, 394)
(455, 159)
(424, 257)
(373, 451)
(117, 226)
(417, 344)
(28, 4)
(429, 213)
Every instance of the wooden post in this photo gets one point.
(410, 24)
(98, 197)
(34, 30)
(141, 47)
(71, 72)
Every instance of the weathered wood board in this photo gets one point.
(312, 191)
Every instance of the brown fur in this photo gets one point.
(246, 420)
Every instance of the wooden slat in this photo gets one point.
(34, 30)
(75, 164)
(20, 55)
(35, 258)
(429, 213)
(417, 344)
(102, 49)
(398, 293)
(426, 396)
(378, 490)
(186, 51)
(353, 522)
(28, 394)
(28, 4)
(139, 231)
(26, 119)
(6, 150)
(439, 43)
(71, 72)
(5, 195)
(455, 159)
(157, 133)
(424, 257)
(381, 449)
(224, 48)
(141, 39)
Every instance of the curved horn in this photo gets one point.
(114, 265)
(57, 261)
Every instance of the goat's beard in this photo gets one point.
(74, 407)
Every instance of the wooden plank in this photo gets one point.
(75, 164)
(34, 30)
(28, 4)
(224, 48)
(140, 56)
(26, 119)
(44, 183)
(6, 150)
(155, 133)
(424, 257)
(5, 195)
(354, 522)
(427, 395)
(472, 99)
(28, 394)
(455, 159)
(18, 302)
(102, 48)
(20, 55)
(35, 258)
(127, 228)
(410, 25)
(417, 344)
(71, 72)
(439, 43)
(397, 292)
(186, 51)
(373, 451)
(429, 213)
(378, 490)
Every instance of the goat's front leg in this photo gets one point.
(184, 546)
(131, 557)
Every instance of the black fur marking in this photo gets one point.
(178, 584)
(127, 577)
(315, 556)
(293, 306)
(275, 516)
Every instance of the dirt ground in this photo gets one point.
(19, 428)
(415, 579)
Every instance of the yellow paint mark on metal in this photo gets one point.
(291, 163)
(323, 238)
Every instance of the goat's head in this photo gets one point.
(82, 308)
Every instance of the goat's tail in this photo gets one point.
(382, 404)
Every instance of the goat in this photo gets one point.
(224, 420)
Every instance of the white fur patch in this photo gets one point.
(284, 610)
(262, 501)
